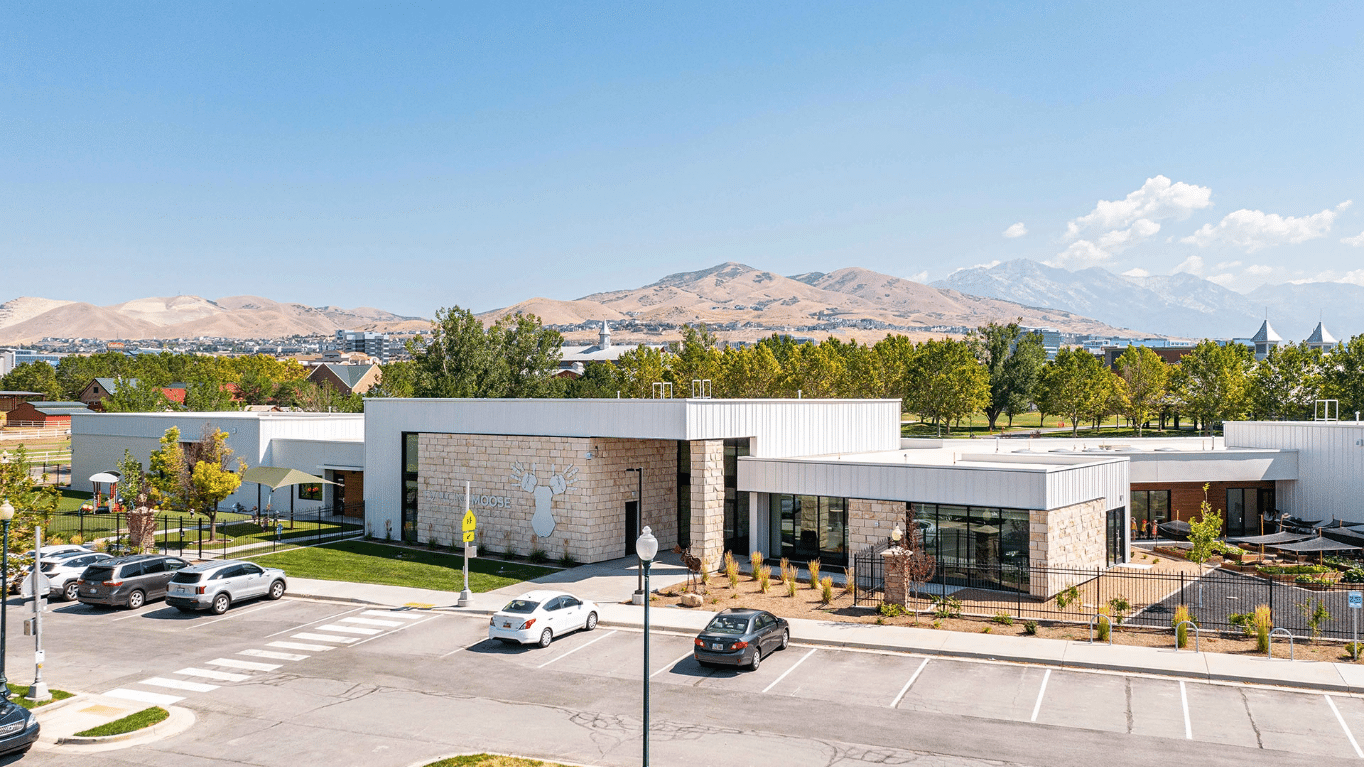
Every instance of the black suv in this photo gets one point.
(128, 581)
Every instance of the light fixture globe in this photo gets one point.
(6, 511)
(646, 546)
(897, 533)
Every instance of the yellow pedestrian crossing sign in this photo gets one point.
(470, 524)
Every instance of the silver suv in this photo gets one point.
(217, 585)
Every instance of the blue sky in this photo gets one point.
(412, 156)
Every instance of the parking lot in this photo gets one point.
(298, 649)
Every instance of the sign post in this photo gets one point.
(1356, 602)
(38, 691)
(469, 526)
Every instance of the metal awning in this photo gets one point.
(275, 477)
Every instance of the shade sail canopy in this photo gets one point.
(1345, 535)
(1271, 539)
(274, 477)
(1315, 545)
(1333, 522)
(106, 477)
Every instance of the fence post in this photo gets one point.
(201, 539)
(81, 516)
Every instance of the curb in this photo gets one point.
(59, 704)
(176, 721)
(425, 762)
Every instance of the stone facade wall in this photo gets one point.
(870, 522)
(708, 501)
(589, 509)
(1068, 537)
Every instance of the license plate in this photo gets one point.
(506, 625)
(91, 591)
(716, 646)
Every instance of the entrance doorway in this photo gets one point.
(631, 526)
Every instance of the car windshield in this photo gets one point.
(520, 606)
(728, 624)
(184, 577)
(95, 573)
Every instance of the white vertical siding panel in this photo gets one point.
(1330, 479)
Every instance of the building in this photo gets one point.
(45, 415)
(376, 345)
(9, 400)
(346, 379)
(1321, 339)
(100, 389)
(1264, 340)
(13, 358)
(573, 360)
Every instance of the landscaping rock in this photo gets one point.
(692, 600)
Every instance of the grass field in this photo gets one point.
(365, 562)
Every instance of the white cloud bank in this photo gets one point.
(1115, 225)
(1252, 230)
(1018, 230)
(1356, 241)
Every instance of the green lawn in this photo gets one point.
(18, 691)
(130, 723)
(365, 562)
(240, 533)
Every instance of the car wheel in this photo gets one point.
(136, 600)
(785, 638)
(757, 659)
(221, 603)
(546, 637)
(276, 590)
(591, 621)
(71, 591)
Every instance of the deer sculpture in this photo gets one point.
(693, 564)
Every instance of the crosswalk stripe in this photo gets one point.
(349, 629)
(373, 622)
(325, 638)
(144, 697)
(408, 614)
(244, 664)
(179, 684)
(221, 676)
(272, 654)
(300, 646)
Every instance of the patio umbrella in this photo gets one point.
(105, 478)
(275, 477)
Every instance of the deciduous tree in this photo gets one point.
(1144, 383)
(1210, 382)
(1013, 359)
(1075, 385)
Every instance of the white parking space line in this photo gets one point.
(133, 614)
(373, 622)
(895, 703)
(409, 615)
(575, 649)
(670, 665)
(333, 616)
(789, 670)
(349, 629)
(244, 664)
(179, 684)
(221, 676)
(324, 638)
(1184, 700)
(272, 654)
(1344, 726)
(299, 646)
(1043, 691)
(155, 698)
(241, 614)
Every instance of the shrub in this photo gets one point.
(791, 587)
(813, 567)
(1315, 613)
(77, 540)
(99, 546)
(1352, 650)
(1030, 628)
(1292, 569)
(538, 556)
(946, 607)
(731, 570)
(880, 621)
(1070, 596)
(1319, 580)
(891, 610)
(567, 560)
(54, 540)
(1244, 620)
(1262, 622)
(1353, 575)
(1104, 624)
(826, 590)
(985, 630)
(756, 560)
(1119, 607)
(705, 575)
(788, 573)
(1003, 618)
(1182, 614)
(937, 624)
(764, 578)
(849, 582)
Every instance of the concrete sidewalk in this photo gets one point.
(611, 584)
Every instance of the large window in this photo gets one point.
(684, 493)
(1149, 509)
(976, 546)
(1115, 542)
(411, 462)
(736, 503)
(812, 527)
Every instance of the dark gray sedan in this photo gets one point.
(741, 637)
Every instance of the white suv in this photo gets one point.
(216, 586)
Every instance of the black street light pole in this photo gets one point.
(640, 593)
(6, 514)
(647, 547)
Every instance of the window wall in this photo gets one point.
(736, 503)
(1149, 509)
(977, 546)
(812, 527)
(1245, 505)
(684, 494)
(408, 525)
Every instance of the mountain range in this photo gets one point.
(30, 319)
(1180, 304)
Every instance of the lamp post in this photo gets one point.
(646, 547)
(6, 514)
(639, 597)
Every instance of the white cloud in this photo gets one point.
(1017, 230)
(1225, 265)
(1356, 241)
(920, 277)
(1079, 255)
(1355, 277)
(1225, 280)
(990, 265)
(1252, 230)
(1158, 198)
(1193, 265)
(1136, 271)
(1259, 269)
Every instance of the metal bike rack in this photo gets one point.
(1269, 646)
(1096, 617)
(1195, 634)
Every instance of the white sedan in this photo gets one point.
(536, 617)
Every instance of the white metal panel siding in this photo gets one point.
(1214, 466)
(783, 428)
(962, 484)
(1078, 484)
(1330, 479)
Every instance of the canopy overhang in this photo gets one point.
(106, 477)
(275, 477)
(1314, 546)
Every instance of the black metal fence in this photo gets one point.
(1216, 598)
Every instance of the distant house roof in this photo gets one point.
(354, 378)
(1266, 335)
(174, 392)
(57, 408)
(1321, 336)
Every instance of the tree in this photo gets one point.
(1284, 385)
(598, 381)
(639, 369)
(1144, 383)
(396, 379)
(1343, 375)
(1203, 532)
(320, 398)
(1210, 382)
(34, 376)
(516, 357)
(1012, 359)
(211, 476)
(1074, 385)
(696, 358)
(910, 561)
(169, 473)
(34, 503)
(526, 356)
(946, 382)
(209, 395)
(136, 395)
(135, 494)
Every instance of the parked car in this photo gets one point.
(62, 571)
(128, 581)
(537, 617)
(18, 728)
(49, 552)
(218, 585)
(741, 637)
